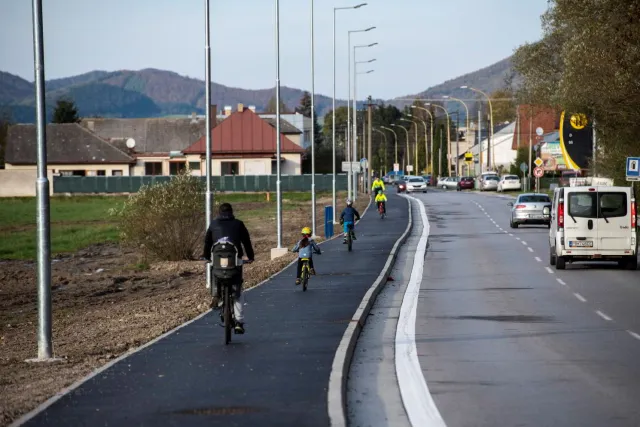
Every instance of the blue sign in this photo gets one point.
(328, 222)
(633, 168)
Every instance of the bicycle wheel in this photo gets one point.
(305, 276)
(349, 241)
(227, 315)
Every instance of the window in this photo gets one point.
(613, 205)
(416, 180)
(511, 177)
(153, 168)
(73, 173)
(583, 205)
(229, 168)
(194, 166)
(101, 173)
(176, 167)
(534, 199)
(116, 173)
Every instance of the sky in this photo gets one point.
(421, 43)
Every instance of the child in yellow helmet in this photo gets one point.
(305, 249)
(381, 199)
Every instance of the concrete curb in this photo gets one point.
(53, 399)
(337, 393)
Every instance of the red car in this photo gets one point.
(466, 183)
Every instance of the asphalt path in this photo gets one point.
(505, 340)
(277, 374)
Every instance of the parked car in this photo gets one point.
(427, 179)
(530, 208)
(416, 183)
(448, 183)
(594, 223)
(509, 183)
(489, 183)
(386, 179)
(466, 183)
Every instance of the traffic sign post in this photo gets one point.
(538, 172)
(539, 162)
(396, 167)
(409, 168)
(633, 169)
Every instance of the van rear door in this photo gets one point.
(614, 220)
(581, 220)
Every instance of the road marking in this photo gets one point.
(580, 297)
(633, 334)
(561, 282)
(530, 248)
(517, 238)
(604, 316)
(510, 234)
(549, 270)
(524, 243)
(538, 259)
(418, 402)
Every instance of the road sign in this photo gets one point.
(539, 131)
(539, 162)
(364, 163)
(396, 167)
(355, 166)
(468, 156)
(409, 168)
(633, 168)
(523, 167)
(538, 172)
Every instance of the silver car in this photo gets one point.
(449, 183)
(531, 208)
(489, 183)
(416, 183)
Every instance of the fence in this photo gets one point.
(254, 183)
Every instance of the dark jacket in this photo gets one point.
(234, 230)
(350, 214)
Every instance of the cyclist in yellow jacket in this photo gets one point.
(378, 184)
(381, 199)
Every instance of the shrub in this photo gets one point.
(166, 220)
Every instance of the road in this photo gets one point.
(503, 339)
(276, 374)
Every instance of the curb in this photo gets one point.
(337, 396)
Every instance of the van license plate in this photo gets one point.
(580, 243)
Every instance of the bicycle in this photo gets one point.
(381, 210)
(349, 237)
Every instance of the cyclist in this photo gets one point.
(305, 248)
(378, 184)
(381, 199)
(348, 217)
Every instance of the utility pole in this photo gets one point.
(440, 155)
(457, 141)
(370, 148)
(208, 125)
(530, 146)
(489, 145)
(480, 163)
(313, 133)
(595, 149)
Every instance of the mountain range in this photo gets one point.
(156, 93)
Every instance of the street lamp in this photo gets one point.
(351, 190)
(313, 134)
(386, 148)
(396, 139)
(493, 155)
(407, 153)
(426, 148)
(335, 9)
(417, 166)
(430, 117)
(448, 137)
(278, 137)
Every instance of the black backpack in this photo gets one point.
(224, 260)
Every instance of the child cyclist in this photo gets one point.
(381, 199)
(348, 218)
(305, 248)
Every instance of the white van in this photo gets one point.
(593, 223)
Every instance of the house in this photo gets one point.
(245, 144)
(300, 122)
(71, 150)
(502, 152)
(530, 118)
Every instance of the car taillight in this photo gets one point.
(521, 206)
(634, 218)
(560, 215)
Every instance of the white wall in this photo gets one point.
(21, 182)
(125, 168)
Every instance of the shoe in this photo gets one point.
(344, 242)
(297, 282)
(215, 302)
(312, 271)
(239, 329)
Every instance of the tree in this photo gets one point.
(504, 106)
(305, 109)
(271, 106)
(65, 111)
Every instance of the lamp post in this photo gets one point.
(430, 117)
(416, 161)
(278, 135)
(448, 136)
(407, 153)
(335, 9)
(492, 154)
(351, 191)
(396, 139)
(426, 148)
(383, 170)
(208, 119)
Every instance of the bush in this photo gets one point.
(167, 220)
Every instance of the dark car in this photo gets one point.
(466, 183)
(401, 186)
(427, 179)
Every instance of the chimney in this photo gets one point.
(240, 108)
(252, 108)
(227, 110)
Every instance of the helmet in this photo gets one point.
(306, 230)
(349, 202)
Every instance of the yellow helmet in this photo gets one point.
(306, 230)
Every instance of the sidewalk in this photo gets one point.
(275, 374)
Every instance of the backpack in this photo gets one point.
(305, 252)
(224, 260)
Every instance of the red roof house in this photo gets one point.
(532, 117)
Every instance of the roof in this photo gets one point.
(66, 144)
(545, 117)
(286, 128)
(151, 135)
(244, 132)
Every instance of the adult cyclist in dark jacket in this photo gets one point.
(348, 217)
(226, 225)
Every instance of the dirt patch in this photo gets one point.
(106, 301)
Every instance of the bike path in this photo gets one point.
(276, 374)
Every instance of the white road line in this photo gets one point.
(538, 259)
(604, 316)
(517, 238)
(580, 297)
(524, 243)
(633, 334)
(418, 402)
(510, 234)
(562, 282)
(549, 270)
(530, 248)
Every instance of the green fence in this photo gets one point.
(254, 183)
